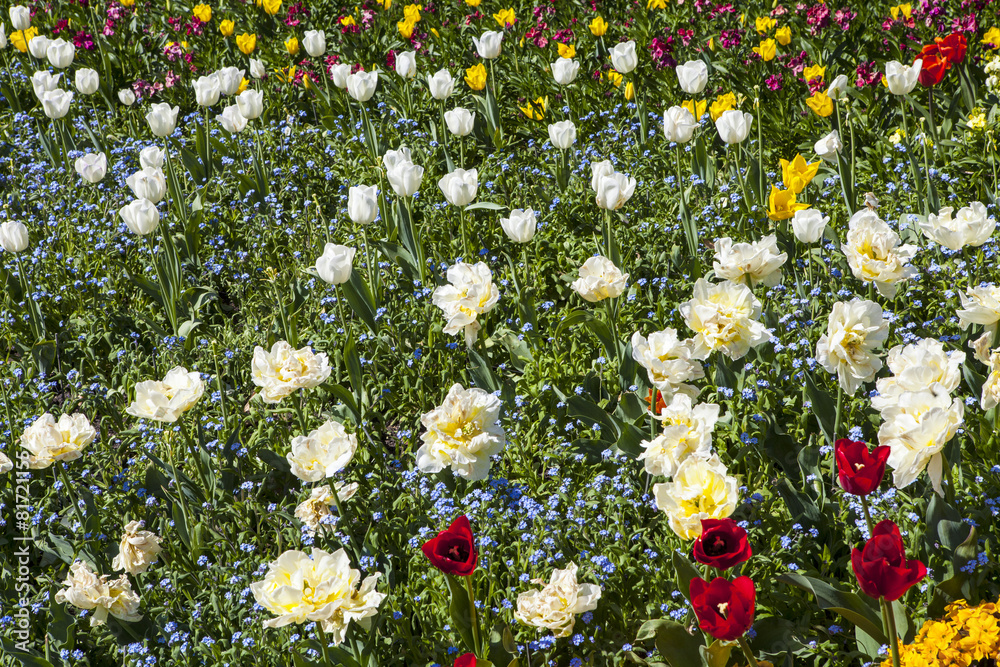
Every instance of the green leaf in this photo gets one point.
(592, 413)
(673, 641)
(22, 657)
(716, 655)
(459, 609)
(487, 205)
(849, 605)
(823, 407)
(353, 360)
(685, 572)
(481, 373)
(360, 298)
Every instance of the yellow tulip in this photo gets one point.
(384, 4)
(821, 104)
(711, 44)
(656, 4)
(271, 7)
(127, 3)
(202, 12)
(798, 173)
(411, 12)
(722, 104)
(504, 17)
(405, 29)
(348, 20)
(598, 27)
(286, 75)
(565, 50)
(992, 38)
(814, 72)
(783, 35)
(535, 110)
(246, 43)
(763, 24)
(905, 9)
(615, 78)
(697, 109)
(475, 76)
(473, 3)
(781, 204)
(243, 85)
(21, 38)
(766, 50)
(629, 91)
(227, 27)
(292, 46)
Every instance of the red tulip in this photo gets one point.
(952, 47)
(724, 609)
(881, 568)
(466, 660)
(453, 551)
(860, 472)
(722, 544)
(934, 66)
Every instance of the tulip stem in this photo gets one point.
(836, 429)
(747, 651)
(74, 500)
(868, 515)
(889, 619)
(473, 614)
(739, 175)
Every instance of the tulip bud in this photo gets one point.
(250, 103)
(56, 103)
(361, 85)
(256, 68)
(692, 76)
(679, 125)
(207, 90)
(127, 97)
(460, 121)
(231, 120)
(562, 134)
(441, 84)
(520, 226)
(624, 58)
(148, 183)
(362, 204)
(140, 216)
(92, 167)
(38, 46)
(3, 36)
(162, 119)
(405, 178)
(335, 264)
(60, 53)
(406, 64)
(151, 157)
(460, 186)
(13, 236)
(339, 74)
(20, 17)
(488, 46)
(564, 71)
(315, 43)
(87, 81)
(838, 89)
(230, 80)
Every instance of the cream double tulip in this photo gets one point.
(284, 370)
(876, 254)
(556, 606)
(469, 294)
(854, 331)
(137, 550)
(971, 226)
(749, 263)
(687, 432)
(323, 453)
(599, 279)
(724, 317)
(85, 590)
(701, 489)
(166, 400)
(980, 305)
(314, 512)
(49, 440)
(462, 433)
(916, 430)
(322, 588)
(921, 366)
(669, 362)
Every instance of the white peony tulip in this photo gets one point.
(462, 433)
(854, 331)
(166, 400)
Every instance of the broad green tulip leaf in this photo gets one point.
(716, 655)
(24, 658)
(360, 299)
(591, 413)
(346, 398)
(402, 257)
(848, 604)
(685, 571)
(823, 407)
(481, 373)
(673, 641)
(488, 205)
(459, 608)
(353, 361)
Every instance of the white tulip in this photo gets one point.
(406, 64)
(250, 103)
(56, 103)
(362, 204)
(460, 186)
(151, 156)
(315, 42)
(60, 53)
(126, 97)
(339, 74)
(42, 82)
(614, 190)
(231, 120)
(692, 76)
(598, 170)
(679, 124)
(38, 46)
(564, 71)
(148, 183)
(599, 279)
(562, 134)
(838, 89)
(734, 126)
(92, 167)
(520, 226)
(140, 216)
(623, 57)
(87, 81)
(20, 17)
(441, 84)
(829, 147)
(13, 236)
(361, 85)
(256, 68)
(162, 119)
(488, 45)
(207, 90)
(3, 45)
(405, 178)
(230, 80)
(902, 79)
(335, 264)
(460, 121)
(809, 224)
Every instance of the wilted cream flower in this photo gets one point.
(599, 279)
(991, 387)
(687, 431)
(167, 400)
(50, 441)
(323, 453)
(470, 294)
(916, 429)
(138, 549)
(462, 433)
(669, 362)
(876, 253)
(315, 512)
(323, 588)
(920, 366)
(555, 606)
(282, 371)
(749, 263)
(85, 590)
(980, 305)
(701, 489)
(853, 332)
(6, 465)
(724, 317)
(971, 226)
